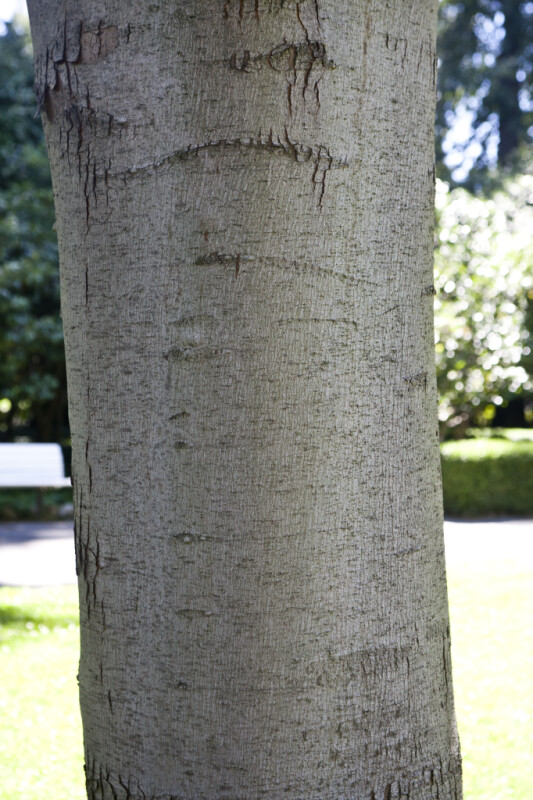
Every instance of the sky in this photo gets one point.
(10, 7)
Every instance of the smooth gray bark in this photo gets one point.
(244, 195)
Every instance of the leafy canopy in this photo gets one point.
(485, 79)
(32, 372)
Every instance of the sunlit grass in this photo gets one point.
(492, 628)
(40, 731)
(491, 609)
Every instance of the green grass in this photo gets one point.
(492, 633)
(492, 643)
(40, 730)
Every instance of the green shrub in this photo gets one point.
(29, 504)
(484, 302)
(487, 476)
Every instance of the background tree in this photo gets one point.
(32, 371)
(486, 69)
(244, 200)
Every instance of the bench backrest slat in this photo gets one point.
(32, 465)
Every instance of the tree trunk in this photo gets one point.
(244, 209)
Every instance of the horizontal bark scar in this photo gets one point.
(212, 259)
(317, 155)
(315, 320)
(193, 613)
(193, 538)
(289, 56)
(193, 352)
(297, 151)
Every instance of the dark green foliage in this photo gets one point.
(527, 357)
(486, 66)
(488, 476)
(32, 371)
(30, 504)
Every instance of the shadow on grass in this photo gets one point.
(25, 612)
(18, 617)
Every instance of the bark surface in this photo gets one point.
(244, 195)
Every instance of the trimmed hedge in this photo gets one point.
(488, 476)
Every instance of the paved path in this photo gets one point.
(42, 553)
(508, 542)
(37, 554)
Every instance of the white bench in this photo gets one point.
(38, 466)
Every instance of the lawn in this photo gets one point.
(492, 643)
(492, 629)
(40, 730)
